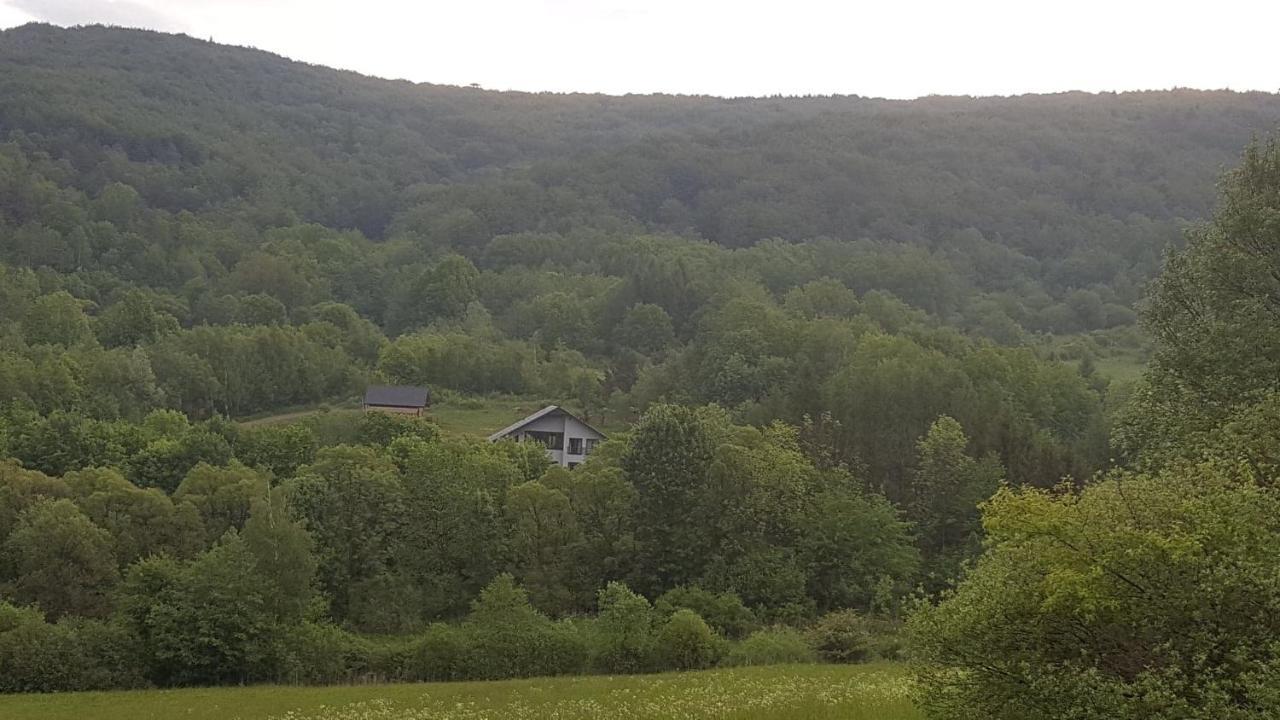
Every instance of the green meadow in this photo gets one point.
(877, 691)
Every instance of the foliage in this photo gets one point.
(842, 636)
(1138, 597)
(772, 646)
(685, 642)
(37, 656)
(724, 612)
(841, 322)
(206, 622)
(623, 634)
(56, 558)
(947, 489)
(508, 638)
(1213, 313)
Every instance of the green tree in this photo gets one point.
(223, 496)
(667, 462)
(57, 558)
(544, 536)
(1213, 313)
(853, 541)
(509, 638)
(686, 642)
(56, 319)
(140, 522)
(21, 489)
(1138, 597)
(132, 320)
(625, 638)
(207, 622)
(646, 328)
(352, 501)
(947, 488)
(283, 554)
(279, 449)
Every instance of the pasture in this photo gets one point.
(877, 691)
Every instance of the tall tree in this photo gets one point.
(667, 462)
(946, 490)
(1215, 315)
(57, 558)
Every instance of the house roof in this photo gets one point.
(397, 396)
(544, 412)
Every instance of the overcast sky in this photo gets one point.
(903, 48)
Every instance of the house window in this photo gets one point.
(591, 446)
(575, 446)
(553, 440)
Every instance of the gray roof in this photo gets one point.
(397, 396)
(548, 410)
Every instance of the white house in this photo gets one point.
(568, 440)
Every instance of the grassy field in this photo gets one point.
(800, 692)
(1122, 368)
(478, 417)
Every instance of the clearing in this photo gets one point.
(459, 415)
(877, 691)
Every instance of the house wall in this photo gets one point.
(394, 410)
(571, 427)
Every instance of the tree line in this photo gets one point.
(1152, 591)
(170, 553)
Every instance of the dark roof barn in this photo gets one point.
(401, 396)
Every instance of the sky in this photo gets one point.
(901, 49)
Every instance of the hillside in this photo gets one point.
(223, 231)
(872, 374)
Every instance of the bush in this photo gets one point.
(772, 646)
(724, 612)
(36, 656)
(1138, 597)
(440, 653)
(390, 659)
(108, 654)
(320, 653)
(623, 634)
(507, 638)
(686, 642)
(378, 428)
(843, 636)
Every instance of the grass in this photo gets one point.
(477, 417)
(1121, 368)
(801, 692)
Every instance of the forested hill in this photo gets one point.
(1089, 184)
(222, 231)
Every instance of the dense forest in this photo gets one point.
(836, 324)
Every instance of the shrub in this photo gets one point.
(772, 646)
(108, 655)
(377, 428)
(507, 638)
(843, 636)
(623, 632)
(724, 612)
(389, 659)
(1136, 598)
(440, 653)
(37, 656)
(320, 653)
(686, 642)
(34, 655)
